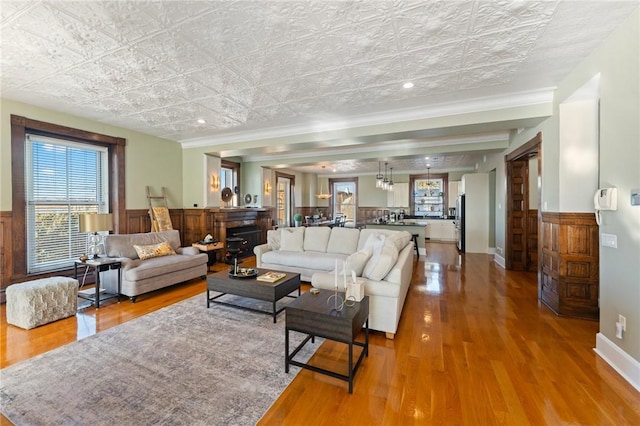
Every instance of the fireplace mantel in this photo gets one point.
(221, 219)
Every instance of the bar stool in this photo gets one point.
(414, 238)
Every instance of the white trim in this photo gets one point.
(499, 260)
(619, 360)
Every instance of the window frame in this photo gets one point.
(20, 126)
(334, 195)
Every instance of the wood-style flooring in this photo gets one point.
(474, 347)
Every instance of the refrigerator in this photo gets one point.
(459, 222)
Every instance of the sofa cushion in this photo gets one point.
(317, 261)
(316, 238)
(343, 240)
(399, 238)
(273, 239)
(157, 266)
(358, 260)
(121, 245)
(292, 239)
(381, 262)
(154, 250)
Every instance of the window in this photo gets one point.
(229, 178)
(110, 147)
(343, 199)
(63, 179)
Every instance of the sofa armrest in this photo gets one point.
(188, 251)
(259, 251)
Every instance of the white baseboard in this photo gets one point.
(492, 250)
(618, 359)
(499, 260)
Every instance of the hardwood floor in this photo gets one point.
(474, 347)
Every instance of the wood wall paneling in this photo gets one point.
(532, 241)
(569, 282)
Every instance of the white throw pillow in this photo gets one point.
(292, 239)
(375, 242)
(273, 239)
(358, 260)
(381, 262)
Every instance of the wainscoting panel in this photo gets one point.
(569, 284)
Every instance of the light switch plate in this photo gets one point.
(609, 240)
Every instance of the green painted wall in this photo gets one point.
(149, 160)
(617, 59)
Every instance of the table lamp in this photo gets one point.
(95, 222)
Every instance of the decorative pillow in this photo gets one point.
(357, 261)
(292, 239)
(375, 241)
(154, 250)
(381, 262)
(273, 239)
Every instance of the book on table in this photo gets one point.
(271, 276)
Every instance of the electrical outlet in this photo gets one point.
(623, 322)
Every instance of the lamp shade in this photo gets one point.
(95, 222)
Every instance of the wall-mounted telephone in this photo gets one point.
(605, 199)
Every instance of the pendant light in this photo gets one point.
(390, 185)
(385, 181)
(322, 195)
(379, 177)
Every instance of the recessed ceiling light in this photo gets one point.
(201, 121)
(426, 158)
(408, 85)
(428, 165)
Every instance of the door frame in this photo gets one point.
(533, 147)
(291, 199)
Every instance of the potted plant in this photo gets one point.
(297, 219)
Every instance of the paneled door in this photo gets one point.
(517, 212)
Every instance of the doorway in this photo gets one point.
(524, 215)
(285, 184)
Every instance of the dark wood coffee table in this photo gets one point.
(312, 315)
(252, 288)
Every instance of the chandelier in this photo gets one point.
(323, 195)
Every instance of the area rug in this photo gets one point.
(181, 365)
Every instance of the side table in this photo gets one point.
(99, 265)
(210, 249)
(310, 314)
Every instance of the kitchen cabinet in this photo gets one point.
(399, 197)
(454, 191)
(441, 230)
(476, 221)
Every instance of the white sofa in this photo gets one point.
(384, 258)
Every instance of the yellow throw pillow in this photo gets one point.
(154, 250)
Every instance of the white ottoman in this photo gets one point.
(38, 302)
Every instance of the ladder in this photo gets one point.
(159, 211)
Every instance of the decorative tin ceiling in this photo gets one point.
(158, 66)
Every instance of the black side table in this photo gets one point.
(99, 265)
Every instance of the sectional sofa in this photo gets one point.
(384, 258)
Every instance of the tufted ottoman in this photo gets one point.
(38, 302)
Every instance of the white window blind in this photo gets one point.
(63, 178)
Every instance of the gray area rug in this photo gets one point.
(181, 365)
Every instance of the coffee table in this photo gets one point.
(312, 315)
(252, 289)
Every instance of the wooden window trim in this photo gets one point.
(20, 126)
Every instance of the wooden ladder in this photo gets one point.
(159, 211)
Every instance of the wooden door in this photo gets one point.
(517, 212)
